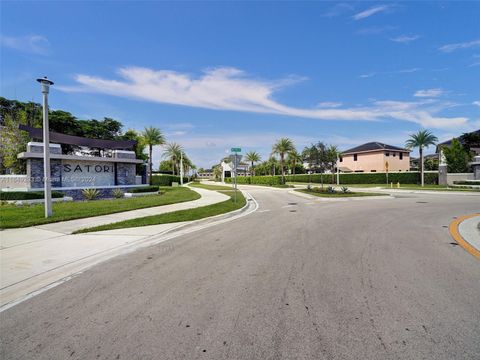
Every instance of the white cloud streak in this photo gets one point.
(231, 89)
(369, 12)
(458, 46)
(477, 103)
(405, 39)
(429, 93)
(34, 44)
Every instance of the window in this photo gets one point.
(394, 154)
(387, 154)
(400, 155)
(341, 159)
(373, 170)
(354, 157)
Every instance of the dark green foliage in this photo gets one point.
(457, 157)
(167, 180)
(258, 180)
(144, 189)
(26, 195)
(366, 178)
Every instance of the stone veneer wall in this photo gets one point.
(35, 167)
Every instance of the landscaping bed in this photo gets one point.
(12, 216)
(332, 193)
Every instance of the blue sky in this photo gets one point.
(213, 75)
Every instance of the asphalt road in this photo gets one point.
(298, 279)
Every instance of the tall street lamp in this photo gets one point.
(46, 147)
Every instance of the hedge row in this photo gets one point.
(350, 178)
(258, 180)
(167, 180)
(26, 195)
(366, 178)
(144, 189)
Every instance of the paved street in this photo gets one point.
(297, 279)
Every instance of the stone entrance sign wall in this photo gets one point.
(74, 171)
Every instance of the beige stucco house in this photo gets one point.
(373, 157)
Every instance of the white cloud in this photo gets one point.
(35, 44)
(329, 104)
(405, 39)
(231, 89)
(429, 93)
(338, 9)
(476, 103)
(369, 12)
(458, 46)
(401, 71)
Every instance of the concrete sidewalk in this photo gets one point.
(35, 257)
(469, 229)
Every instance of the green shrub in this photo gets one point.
(26, 195)
(144, 189)
(366, 178)
(467, 182)
(257, 180)
(117, 193)
(166, 180)
(90, 194)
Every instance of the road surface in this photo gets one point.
(298, 279)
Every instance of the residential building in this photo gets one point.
(375, 157)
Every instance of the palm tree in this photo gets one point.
(293, 158)
(152, 136)
(173, 152)
(282, 147)
(253, 157)
(423, 138)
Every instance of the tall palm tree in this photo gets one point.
(253, 157)
(173, 152)
(294, 158)
(282, 147)
(152, 136)
(422, 139)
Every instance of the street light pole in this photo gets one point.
(181, 168)
(46, 147)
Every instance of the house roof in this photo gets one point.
(373, 146)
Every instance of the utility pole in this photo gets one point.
(46, 147)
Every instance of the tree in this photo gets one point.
(293, 158)
(422, 139)
(139, 147)
(166, 166)
(282, 147)
(253, 157)
(173, 152)
(457, 157)
(217, 172)
(332, 155)
(152, 136)
(13, 141)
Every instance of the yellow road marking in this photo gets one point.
(453, 228)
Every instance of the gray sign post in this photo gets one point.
(236, 160)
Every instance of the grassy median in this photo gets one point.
(210, 186)
(177, 216)
(12, 216)
(338, 194)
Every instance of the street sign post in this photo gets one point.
(236, 160)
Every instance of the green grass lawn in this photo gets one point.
(210, 187)
(339, 194)
(177, 216)
(12, 216)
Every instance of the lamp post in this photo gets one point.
(46, 147)
(181, 168)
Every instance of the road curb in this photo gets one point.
(457, 236)
(352, 198)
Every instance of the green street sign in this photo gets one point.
(236, 150)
